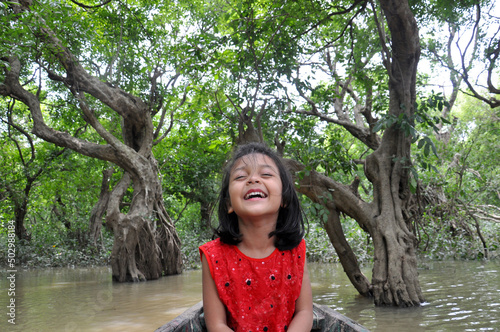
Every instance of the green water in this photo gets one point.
(461, 296)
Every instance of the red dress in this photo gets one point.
(259, 294)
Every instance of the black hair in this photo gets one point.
(290, 225)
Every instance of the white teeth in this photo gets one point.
(255, 194)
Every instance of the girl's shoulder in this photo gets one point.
(299, 251)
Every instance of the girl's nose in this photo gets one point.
(253, 178)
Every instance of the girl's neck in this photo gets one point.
(256, 242)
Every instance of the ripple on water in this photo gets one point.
(460, 296)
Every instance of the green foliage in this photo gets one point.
(319, 247)
(51, 245)
(446, 10)
(58, 202)
(447, 235)
(192, 235)
(466, 177)
(325, 152)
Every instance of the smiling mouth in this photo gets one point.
(255, 194)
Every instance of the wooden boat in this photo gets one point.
(325, 320)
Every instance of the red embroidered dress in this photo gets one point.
(259, 294)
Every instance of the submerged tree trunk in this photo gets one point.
(395, 276)
(346, 255)
(146, 245)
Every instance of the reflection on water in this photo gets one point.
(461, 296)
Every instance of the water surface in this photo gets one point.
(461, 296)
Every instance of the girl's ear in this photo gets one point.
(230, 209)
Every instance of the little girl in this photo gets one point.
(254, 274)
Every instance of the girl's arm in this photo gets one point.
(215, 312)
(303, 318)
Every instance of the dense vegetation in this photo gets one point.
(208, 76)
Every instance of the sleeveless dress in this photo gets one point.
(259, 294)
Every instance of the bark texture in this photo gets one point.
(99, 210)
(395, 276)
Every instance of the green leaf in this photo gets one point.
(378, 126)
(426, 150)
(413, 185)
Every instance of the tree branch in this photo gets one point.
(90, 7)
(10, 124)
(363, 134)
(330, 15)
(11, 87)
(128, 106)
(386, 54)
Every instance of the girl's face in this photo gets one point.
(255, 187)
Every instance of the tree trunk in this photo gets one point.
(395, 276)
(205, 213)
(60, 215)
(146, 245)
(95, 224)
(20, 210)
(346, 255)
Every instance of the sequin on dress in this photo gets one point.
(259, 294)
